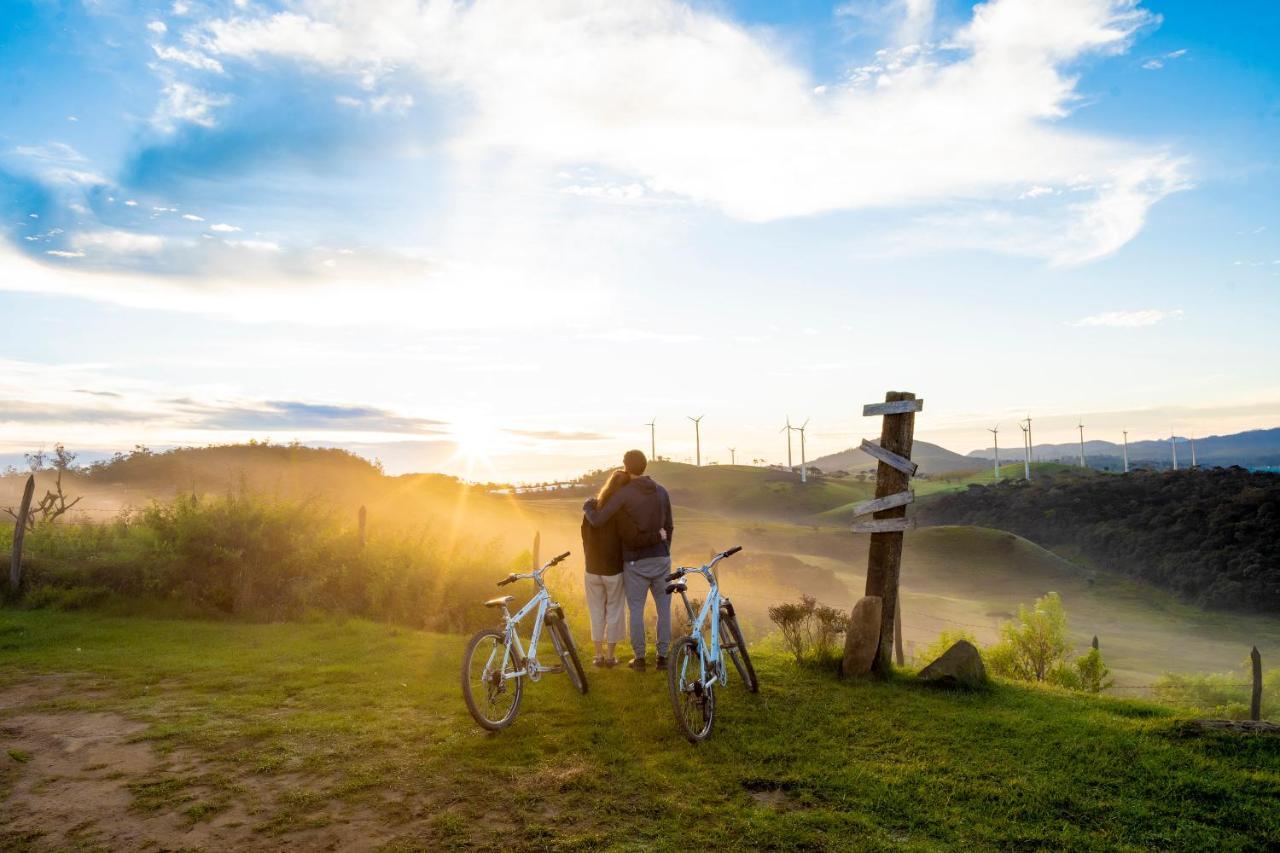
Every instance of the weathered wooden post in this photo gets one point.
(362, 517)
(537, 546)
(897, 635)
(1095, 642)
(889, 511)
(20, 533)
(1255, 704)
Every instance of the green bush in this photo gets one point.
(263, 558)
(1223, 695)
(810, 631)
(946, 640)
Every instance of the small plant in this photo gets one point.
(946, 640)
(810, 629)
(1033, 645)
(793, 620)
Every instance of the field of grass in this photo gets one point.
(353, 735)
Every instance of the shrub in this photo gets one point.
(263, 558)
(1223, 695)
(1034, 645)
(1092, 672)
(810, 630)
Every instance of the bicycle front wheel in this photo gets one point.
(568, 653)
(491, 698)
(693, 703)
(732, 642)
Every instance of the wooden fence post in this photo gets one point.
(1255, 705)
(889, 508)
(362, 517)
(20, 533)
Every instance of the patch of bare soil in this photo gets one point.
(81, 780)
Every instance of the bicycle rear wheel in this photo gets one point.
(694, 704)
(732, 642)
(492, 699)
(568, 652)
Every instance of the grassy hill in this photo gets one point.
(932, 459)
(194, 735)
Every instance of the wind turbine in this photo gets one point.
(995, 436)
(1173, 448)
(1026, 450)
(653, 443)
(787, 429)
(1126, 450)
(804, 474)
(1193, 450)
(1080, 426)
(733, 456)
(697, 435)
(1031, 448)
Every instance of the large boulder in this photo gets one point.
(863, 637)
(959, 666)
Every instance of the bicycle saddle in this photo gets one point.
(500, 601)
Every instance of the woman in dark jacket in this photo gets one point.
(606, 596)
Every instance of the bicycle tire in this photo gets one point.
(687, 707)
(568, 652)
(468, 696)
(738, 653)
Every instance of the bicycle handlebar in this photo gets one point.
(683, 570)
(513, 577)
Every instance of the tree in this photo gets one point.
(1035, 644)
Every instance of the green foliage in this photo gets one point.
(263, 558)
(1035, 645)
(1209, 535)
(946, 640)
(1092, 672)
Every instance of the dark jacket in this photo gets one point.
(647, 509)
(601, 546)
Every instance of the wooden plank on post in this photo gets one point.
(881, 504)
(884, 558)
(897, 407)
(19, 533)
(882, 525)
(888, 457)
(1255, 702)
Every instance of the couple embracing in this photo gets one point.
(626, 538)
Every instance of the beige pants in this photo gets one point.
(607, 604)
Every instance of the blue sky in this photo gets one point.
(495, 239)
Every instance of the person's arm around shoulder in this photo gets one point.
(668, 520)
(599, 516)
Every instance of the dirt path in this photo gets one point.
(83, 780)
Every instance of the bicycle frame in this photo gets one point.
(530, 667)
(709, 616)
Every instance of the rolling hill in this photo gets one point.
(932, 459)
(1253, 448)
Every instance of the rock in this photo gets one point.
(863, 637)
(959, 666)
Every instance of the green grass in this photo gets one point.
(367, 716)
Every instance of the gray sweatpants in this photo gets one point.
(648, 576)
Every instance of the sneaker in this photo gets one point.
(662, 661)
(611, 662)
(599, 660)
(637, 664)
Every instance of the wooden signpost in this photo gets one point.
(886, 526)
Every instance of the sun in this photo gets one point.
(477, 441)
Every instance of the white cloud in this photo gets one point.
(158, 27)
(1037, 191)
(130, 203)
(191, 217)
(690, 104)
(59, 253)
(192, 58)
(1157, 62)
(254, 245)
(118, 242)
(180, 7)
(224, 228)
(183, 102)
(1128, 319)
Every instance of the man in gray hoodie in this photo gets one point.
(645, 527)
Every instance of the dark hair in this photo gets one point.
(634, 462)
(617, 480)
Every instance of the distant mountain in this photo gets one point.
(1248, 449)
(931, 458)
